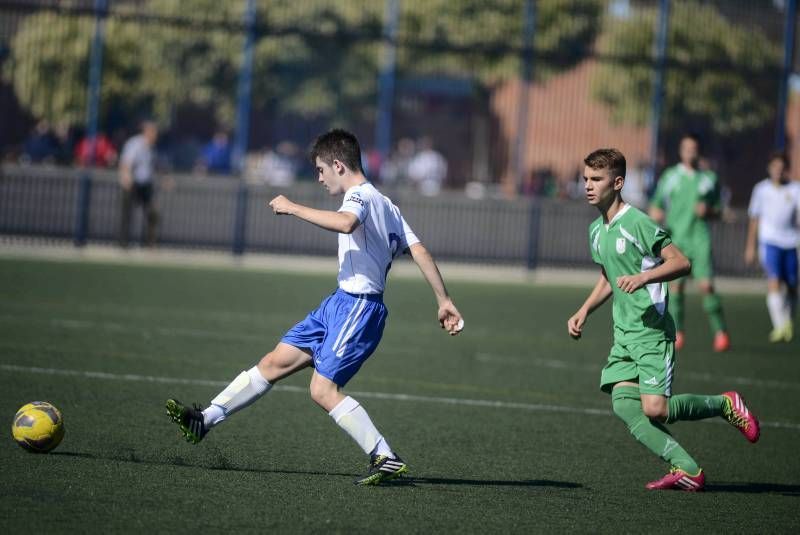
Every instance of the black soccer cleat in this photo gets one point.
(382, 468)
(189, 419)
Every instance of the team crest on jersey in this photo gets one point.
(621, 245)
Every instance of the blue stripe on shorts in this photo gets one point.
(341, 333)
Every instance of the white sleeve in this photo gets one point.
(408, 237)
(355, 203)
(129, 152)
(754, 210)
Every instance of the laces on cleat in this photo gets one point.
(735, 411)
(189, 419)
(382, 468)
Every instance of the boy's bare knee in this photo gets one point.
(323, 398)
(655, 411)
(271, 367)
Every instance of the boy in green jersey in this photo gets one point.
(637, 258)
(686, 197)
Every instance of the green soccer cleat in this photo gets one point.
(383, 468)
(788, 332)
(776, 335)
(189, 419)
(782, 334)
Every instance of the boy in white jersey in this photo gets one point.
(774, 212)
(337, 337)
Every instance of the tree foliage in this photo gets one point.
(718, 73)
(489, 37)
(313, 57)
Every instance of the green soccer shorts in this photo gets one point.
(651, 364)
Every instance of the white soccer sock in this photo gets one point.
(776, 304)
(243, 391)
(352, 417)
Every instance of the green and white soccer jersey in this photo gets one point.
(643, 348)
(631, 243)
(678, 192)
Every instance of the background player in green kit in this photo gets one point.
(637, 258)
(686, 197)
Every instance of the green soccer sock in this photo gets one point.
(676, 307)
(652, 435)
(694, 407)
(713, 307)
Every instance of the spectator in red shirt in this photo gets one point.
(105, 155)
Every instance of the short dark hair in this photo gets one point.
(611, 159)
(337, 144)
(779, 155)
(694, 136)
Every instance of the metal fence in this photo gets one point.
(513, 93)
(203, 213)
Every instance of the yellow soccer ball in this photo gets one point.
(38, 427)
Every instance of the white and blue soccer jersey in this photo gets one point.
(348, 325)
(777, 208)
(365, 256)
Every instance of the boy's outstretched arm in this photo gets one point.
(675, 265)
(449, 316)
(599, 295)
(343, 222)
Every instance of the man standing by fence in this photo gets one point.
(136, 177)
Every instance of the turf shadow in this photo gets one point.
(755, 488)
(221, 464)
(73, 454)
(413, 480)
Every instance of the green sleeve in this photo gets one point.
(653, 237)
(593, 232)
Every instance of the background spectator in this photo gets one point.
(278, 167)
(42, 145)
(136, 178)
(428, 168)
(395, 168)
(105, 154)
(216, 155)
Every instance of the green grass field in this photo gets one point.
(504, 427)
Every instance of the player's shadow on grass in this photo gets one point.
(413, 481)
(496, 482)
(755, 488)
(222, 464)
(219, 464)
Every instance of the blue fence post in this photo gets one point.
(386, 80)
(529, 31)
(93, 105)
(788, 59)
(658, 82)
(243, 128)
(534, 217)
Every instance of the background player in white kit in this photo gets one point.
(337, 337)
(774, 212)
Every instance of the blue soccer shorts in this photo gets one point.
(341, 333)
(779, 263)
